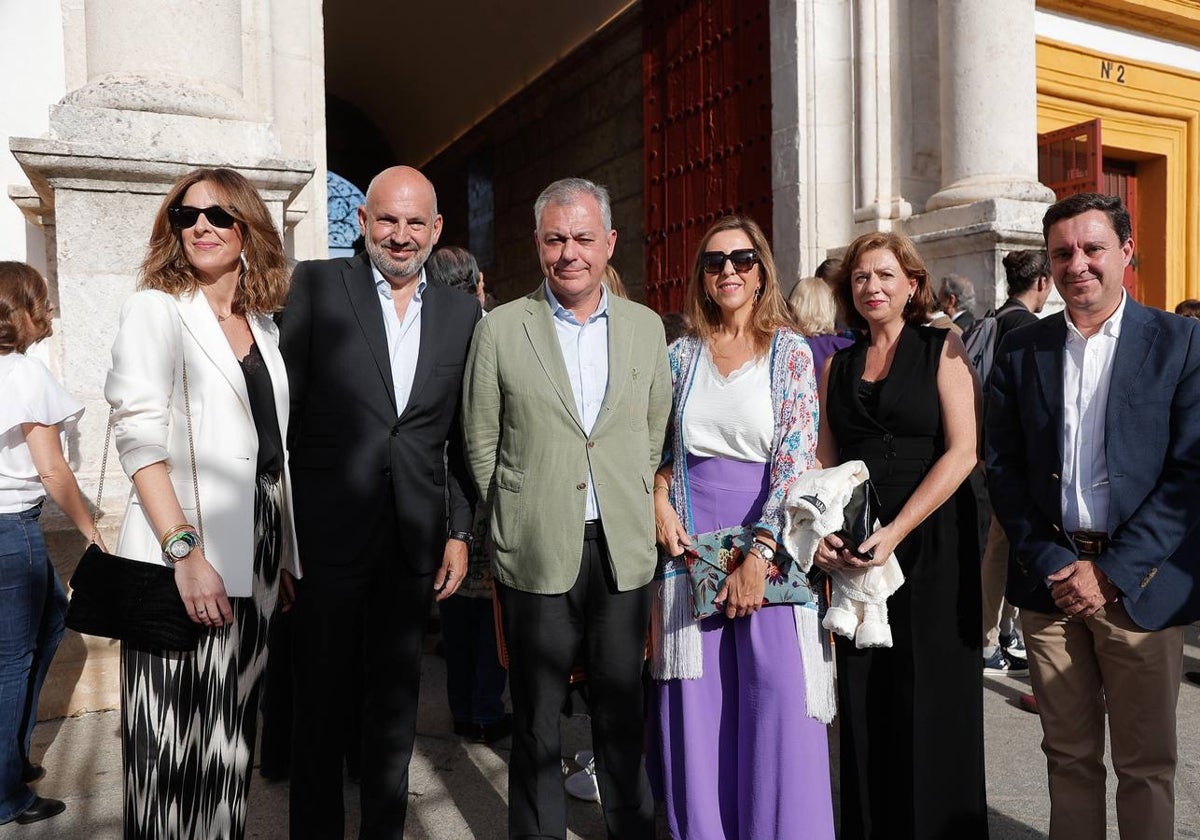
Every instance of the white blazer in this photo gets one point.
(145, 389)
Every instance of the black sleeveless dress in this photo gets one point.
(911, 715)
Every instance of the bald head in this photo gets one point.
(400, 223)
(401, 178)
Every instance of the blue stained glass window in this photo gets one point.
(343, 202)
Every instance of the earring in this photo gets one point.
(245, 262)
(907, 302)
(758, 293)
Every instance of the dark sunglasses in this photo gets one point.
(183, 217)
(743, 260)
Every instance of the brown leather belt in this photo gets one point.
(1091, 543)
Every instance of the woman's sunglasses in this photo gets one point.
(743, 259)
(183, 217)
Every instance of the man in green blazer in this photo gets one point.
(565, 403)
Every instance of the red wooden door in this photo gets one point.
(1070, 159)
(707, 80)
(1120, 178)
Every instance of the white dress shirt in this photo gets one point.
(403, 337)
(1087, 374)
(585, 352)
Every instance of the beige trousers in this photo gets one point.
(994, 575)
(1078, 667)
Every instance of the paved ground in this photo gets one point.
(458, 790)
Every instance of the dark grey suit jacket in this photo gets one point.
(352, 456)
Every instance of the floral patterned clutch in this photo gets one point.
(717, 553)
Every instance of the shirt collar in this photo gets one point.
(1110, 328)
(563, 314)
(385, 288)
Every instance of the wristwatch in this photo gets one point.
(464, 536)
(763, 550)
(179, 546)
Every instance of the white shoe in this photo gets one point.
(583, 784)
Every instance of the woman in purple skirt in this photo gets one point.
(741, 758)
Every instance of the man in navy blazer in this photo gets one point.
(375, 360)
(1093, 454)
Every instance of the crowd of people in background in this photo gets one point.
(352, 440)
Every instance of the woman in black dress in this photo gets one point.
(906, 401)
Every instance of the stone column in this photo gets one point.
(988, 91)
(878, 201)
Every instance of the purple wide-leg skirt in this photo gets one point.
(741, 759)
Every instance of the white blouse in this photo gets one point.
(30, 395)
(730, 416)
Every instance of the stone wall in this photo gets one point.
(581, 118)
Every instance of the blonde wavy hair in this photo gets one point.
(264, 282)
(771, 311)
(814, 306)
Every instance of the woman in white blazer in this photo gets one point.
(197, 348)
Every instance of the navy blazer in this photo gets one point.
(1152, 442)
(351, 454)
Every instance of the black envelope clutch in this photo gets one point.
(129, 601)
(861, 513)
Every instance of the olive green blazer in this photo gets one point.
(529, 455)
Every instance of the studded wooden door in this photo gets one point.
(707, 82)
(1070, 159)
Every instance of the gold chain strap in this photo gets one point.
(187, 409)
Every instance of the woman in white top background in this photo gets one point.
(740, 757)
(35, 415)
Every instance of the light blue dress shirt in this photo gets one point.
(403, 337)
(585, 352)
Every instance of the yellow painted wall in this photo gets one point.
(1150, 114)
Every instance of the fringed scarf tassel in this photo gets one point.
(816, 651)
(675, 633)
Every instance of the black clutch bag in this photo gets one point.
(126, 600)
(129, 601)
(861, 514)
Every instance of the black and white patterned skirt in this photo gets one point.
(188, 718)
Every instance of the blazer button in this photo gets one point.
(387, 470)
(581, 485)
(1054, 476)
(591, 444)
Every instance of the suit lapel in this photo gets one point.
(1048, 360)
(431, 303)
(1138, 333)
(364, 299)
(620, 354)
(198, 319)
(1133, 349)
(539, 327)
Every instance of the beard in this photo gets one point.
(390, 267)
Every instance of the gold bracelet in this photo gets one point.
(666, 487)
(170, 532)
(174, 533)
